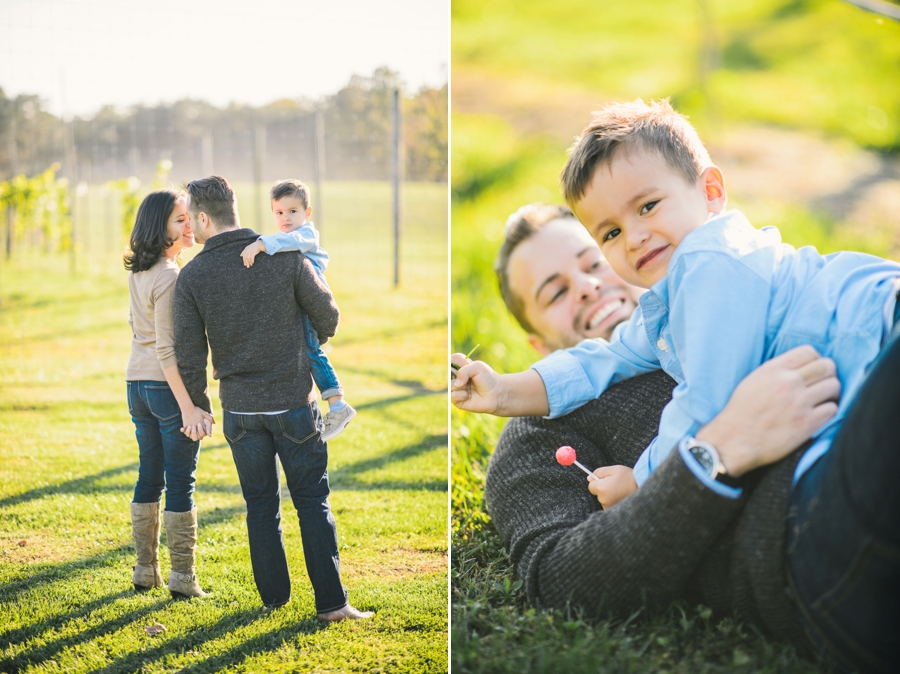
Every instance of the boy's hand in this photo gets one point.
(250, 252)
(613, 483)
(475, 387)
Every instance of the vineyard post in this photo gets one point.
(319, 149)
(259, 158)
(10, 221)
(396, 178)
(14, 169)
(206, 153)
(72, 172)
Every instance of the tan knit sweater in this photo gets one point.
(150, 317)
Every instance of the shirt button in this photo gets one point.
(662, 344)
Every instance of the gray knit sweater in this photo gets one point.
(253, 319)
(672, 539)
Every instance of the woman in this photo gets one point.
(158, 400)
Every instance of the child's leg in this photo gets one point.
(339, 412)
(322, 371)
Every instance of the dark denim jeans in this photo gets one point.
(168, 457)
(294, 438)
(843, 542)
(322, 372)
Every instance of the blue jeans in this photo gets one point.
(322, 371)
(168, 458)
(294, 439)
(843, 543)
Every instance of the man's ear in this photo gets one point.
(538, 344)
(714, 187)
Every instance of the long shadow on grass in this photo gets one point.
(46, 651)
(391, 333)
(413, 385)
(205, 633)
(25, 301)
(62, 334)
(21, 634)
(260, 644)
(80, 485)
(87, 484)
(387, 402)
(345, 476)
(51, 573)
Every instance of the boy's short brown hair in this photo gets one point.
(521, 226)
(654, 127)
(290, 188)
(214, 196)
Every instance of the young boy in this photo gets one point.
(291, 208)
(723, 297)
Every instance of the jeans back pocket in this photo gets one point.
(161, 401)
(297, 425)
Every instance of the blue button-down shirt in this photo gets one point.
(734, 297)
(304, 239)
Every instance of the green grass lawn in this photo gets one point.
(68, 462)
(525, 77)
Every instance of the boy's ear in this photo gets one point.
(714, 187)
(538, 344)
(308, 212)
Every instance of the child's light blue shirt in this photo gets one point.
(734, 297)
(304, 239)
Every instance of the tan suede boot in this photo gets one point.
(181, 534)
(145, 530)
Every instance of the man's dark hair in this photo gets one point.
(214, 196)
(290, 188)
(521, 226)
(149, 237)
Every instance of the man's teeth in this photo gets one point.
(607, 309)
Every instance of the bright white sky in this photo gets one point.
(78, 55)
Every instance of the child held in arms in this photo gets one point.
(291, 209)
(722, 298)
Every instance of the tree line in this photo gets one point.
(346, 135)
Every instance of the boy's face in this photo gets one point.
(289, 213)
(638, 209)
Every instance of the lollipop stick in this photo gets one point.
(590, 474)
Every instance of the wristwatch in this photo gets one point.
(708, 458)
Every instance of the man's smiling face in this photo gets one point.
(568, 291)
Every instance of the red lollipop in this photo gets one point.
(565, 455)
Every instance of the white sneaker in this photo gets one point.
(335, 422)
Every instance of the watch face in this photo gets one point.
(704, 458)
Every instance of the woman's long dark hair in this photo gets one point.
(149, 238)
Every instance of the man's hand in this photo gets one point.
(612, 484)
(197, 423)
(775, 409)
(476, 386)
(250, 252)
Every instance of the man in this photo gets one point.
(675, 538)
(252, 321)
(555, 282)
